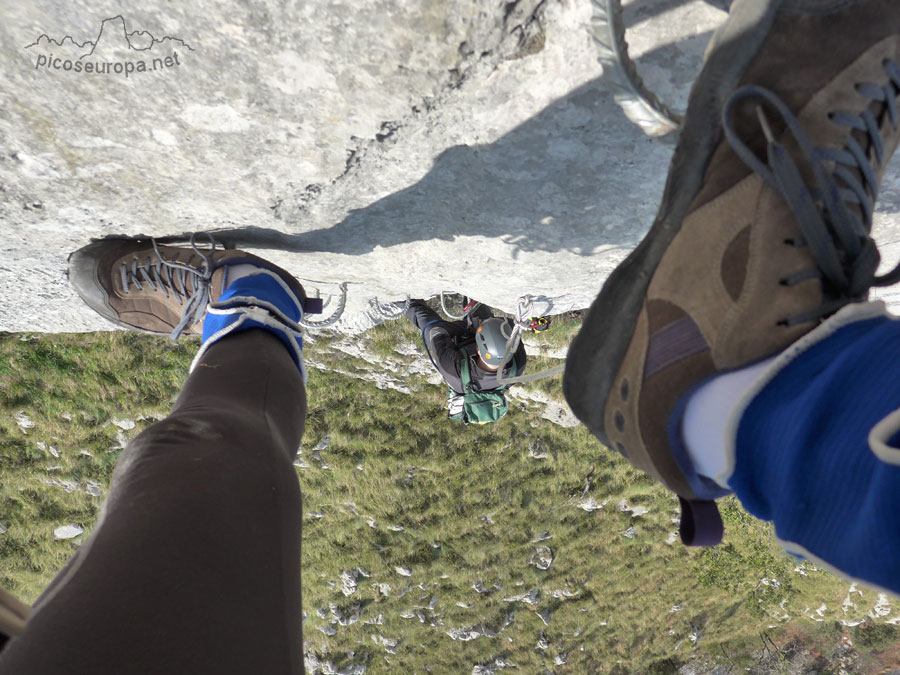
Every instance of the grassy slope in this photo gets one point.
(470, 502)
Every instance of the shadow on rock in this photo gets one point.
(575, 177)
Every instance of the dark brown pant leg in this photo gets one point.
(194, 565)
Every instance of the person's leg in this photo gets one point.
(194, 565)
(763, 231)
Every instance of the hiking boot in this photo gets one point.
(764, 225)
(145, 286)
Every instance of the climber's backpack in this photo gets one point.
(476, 407)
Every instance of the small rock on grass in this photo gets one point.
(469, 633)
(53, 450)
(349, 582)
(636, 511)
(481, 588)
(390, 646)
(377, 621)
(590, 504)
(24, 421)
(529, 598)
(68, 531)
(882, 606)
(537, 450)
(542, 558)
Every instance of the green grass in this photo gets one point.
(71, 387)
(458, 506)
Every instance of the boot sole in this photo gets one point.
(596, 353)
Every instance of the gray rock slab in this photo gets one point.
(403, 148)
(68, 531)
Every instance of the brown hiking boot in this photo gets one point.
(746, 255)
(141, 285)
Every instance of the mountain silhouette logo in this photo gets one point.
(113, 34)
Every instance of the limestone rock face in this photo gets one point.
(400, 147)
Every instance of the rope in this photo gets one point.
(638, 103)
(447, 311)
(389, 311)
(524, 310)
(309, 323)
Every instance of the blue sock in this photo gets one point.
(803, 459)
(259, 300)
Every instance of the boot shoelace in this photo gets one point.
(846, 256)
(189, 285)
